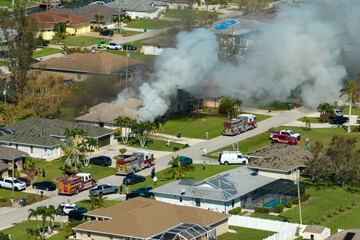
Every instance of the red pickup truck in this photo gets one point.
(282, 138)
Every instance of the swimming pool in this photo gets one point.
(274, 203)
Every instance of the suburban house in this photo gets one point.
(239, 187)
(351, 234)
(279, 161)
(90, 11)
(47, 19)
(180, 4)
(80, 65)
(312, 232)
(41, 138)
(155, 46)
(141, 218)
(104, 114)
(136, 9)
(9, 156)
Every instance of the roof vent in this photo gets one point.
(183, 191)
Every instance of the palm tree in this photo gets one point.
(143, 129)
(73, 156)
(34, 234)
(100, 202)
(350, 91)
(237, 104)
(97, 20)
(126, 124)
(42, 211)
(178, 170)
(88, 146)
(101, 18)
(35, 214)
(306, 120)
(96, 201)
(4, 236)
(73, 132)
(52, 212)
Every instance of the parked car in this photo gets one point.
(338, 120)
(232, 157)
(7, 182)
(129, 47)
(65, 208)
(282, 138)
(77, 215)
(139, 194)
(185, 160)
(45, 43)
(133, 179)
(102, 44)
(288, 133)
(24, 180)
(104, 189)
(107, 33)
(101, 160)
(113, 46)
(142, 189)
(45, 185)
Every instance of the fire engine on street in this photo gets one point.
(240, 124)
(75, 184)
(138, 161)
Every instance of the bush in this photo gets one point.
(235, 211)
(272, 129)
(324, 118)
(330, 215)
(303, 198)
(289, 204)
(262, 210)
(279, 208)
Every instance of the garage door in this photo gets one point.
(104, 140)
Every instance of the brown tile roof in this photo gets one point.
(314, 229)
(341, 235)
(47, 19)
(280, 157)
(142, 217)
(98, 62)
(107, 112)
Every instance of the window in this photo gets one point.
(45, 149)
(197, 201)
(89, 235)
(180, 199)
(31, 149)
(16, 146)
(233, 203)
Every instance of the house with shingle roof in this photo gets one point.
(89, 12)
(138, 9)
(279, 161)
(47, 19)
(8, 156)
(41, 138)
(142, 218)
(95, 63)
(351, 234)
(312, 232)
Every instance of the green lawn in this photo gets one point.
(55, 169)
(312, 119)
(245, 233)
(108, 203)
(197, 124)
(354, 110)
(130, 33)
(4, 63)
(78, 40)
(18, 232)
(8, 3)
(275, 106)
(150, 24)
(177, 13)
(6, 196)
(45, 51)
(198, 174)
(155, 144)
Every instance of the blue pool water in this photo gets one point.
(273, 203)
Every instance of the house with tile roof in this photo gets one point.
(141, 218)
(89, 12)
(47, 19)
(80, 65)
(41, 138)
(137, 9)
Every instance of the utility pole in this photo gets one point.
(298, 188)
(118, 3)
(127, 56)
(13, 176)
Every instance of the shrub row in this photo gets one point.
(289, 204)
(303, 198)
(262, 210)
(279, 208)
(235, 211)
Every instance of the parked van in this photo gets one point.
(232, 157)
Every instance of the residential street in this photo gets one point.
(9, 216)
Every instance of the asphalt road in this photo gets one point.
(9, 216)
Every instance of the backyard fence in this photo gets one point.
(284, 230)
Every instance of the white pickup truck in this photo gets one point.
(232, 157)
(7, 183)
(288, 133)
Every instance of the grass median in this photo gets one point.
(150, 24)
(79, 40)
(156, 145)
(45, 52)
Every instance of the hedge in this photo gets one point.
(262, 210)
(279, 208)
(235, 211)
(303, 198)
(289, 204)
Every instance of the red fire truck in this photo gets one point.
(240, 124)
(75, 184)
(138, 161)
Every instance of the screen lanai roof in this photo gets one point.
(182, 231)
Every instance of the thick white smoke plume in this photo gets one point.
(302, 48)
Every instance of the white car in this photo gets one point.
(67, 207)
(113, 46)
(7, 183)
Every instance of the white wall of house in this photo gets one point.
(38, 151)
(136, 15)
(212, 205)
(277, 174)
(177, 5)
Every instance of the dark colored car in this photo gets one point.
(338, 119)
(77, 215)
(101, 160)
(129, 47)
(185, 160)
(24, 180)
(107, 33)
(46, 43)
(139, 194)
(45, 185)
(133, 179)
(142, 189)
